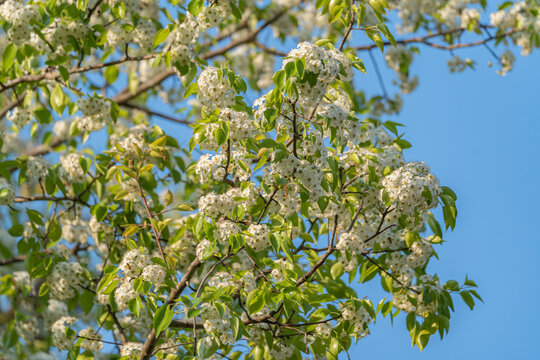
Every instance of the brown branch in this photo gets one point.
(188, 324)
(267, 204)
(323, 258)
(117, 323)
(19, 99)
(156, 234)
(22, 199)
(56, 75)
(349, 28)
(94, 8)
(424, 40)
(12, 260)
(150, 342)
(389, 274)
(251, 37)
(269, 50)
(21, 258)
(155, 113)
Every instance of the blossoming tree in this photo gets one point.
(250, 241)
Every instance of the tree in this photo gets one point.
(245, 243)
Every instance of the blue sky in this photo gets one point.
(479, 133)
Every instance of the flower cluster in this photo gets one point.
(124, 293)
(37, 169)
(62, 336)
(143, 34)
(154, 274)
(54, 311)
(240, 124)
(187, 32)
(457, 64)
(71, 169)
(319, 61)
(20, 16)
(214, 204)
(130, 349)
(134, 261)
(258, 240)
(215, 322)
(412, 189)
(209, 166)
(357, 315)
(91, 340)
(20, 117)
(215, 90)
(523, 16)
(399, 58)
(95, 111)
(65, 278)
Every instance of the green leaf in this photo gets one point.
(55, 231)
(195, 7)
(206, 349)
(63, 73)
(16, 230)
(110, 269)
(8, 57)
(403, 144)
(111, 74)
(467, 297)
(411, 321)
(376, 38)
(255, 301)
(135, 306)
(160, 36)
(449, 192)
(43, 116)
(337, 270)
(57, 99)
(162, 319)
(35, 217)
(87, 301)
(449, 217)
(434, 225)
(44, 289)
(131, 230)
(422, 339)
(193, 88)
(236, 327)
(300, 67)
(184, 207)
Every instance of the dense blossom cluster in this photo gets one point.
(36, 169)
(62, 337)
(95, 111)
(65, 278)
(214, 89)
(134, 261)
(124, 293)
(319, 61)
(71, 169)
(91, 340)
(259, 237)
(412, 189)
